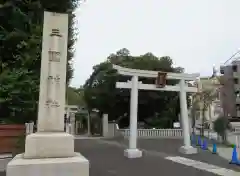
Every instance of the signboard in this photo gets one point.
(161, 79)
(176, 125)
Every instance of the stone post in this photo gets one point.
(51, 150)
(27, 126)
(105, 125)
(133, 152)
(72, 122)
(89, 124)
(187, 148)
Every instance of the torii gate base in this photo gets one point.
(133, 153)
(134, 85)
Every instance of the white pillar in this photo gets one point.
(187, 148)
(133, 152)
(72, 122)
(68, 128)
(105, 125)
(27, 126)
(31, 128)
(89, 124)
(133, 113)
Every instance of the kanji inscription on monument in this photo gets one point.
(53, 78)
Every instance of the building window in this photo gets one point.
(222, 70)
(237, 93)
(235, 80)
(238, 107)
(234, 68)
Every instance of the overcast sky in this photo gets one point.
(196, 34)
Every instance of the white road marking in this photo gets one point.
(203, 166)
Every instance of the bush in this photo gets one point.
(221, 125)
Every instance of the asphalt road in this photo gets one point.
(171, 147)
(106, 158)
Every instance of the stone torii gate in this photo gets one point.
(135, 85)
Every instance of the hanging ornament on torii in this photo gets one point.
(161, 80)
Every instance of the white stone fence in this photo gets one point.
(142, 133)
(154, 133)
(29, 128)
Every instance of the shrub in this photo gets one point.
(221, 125)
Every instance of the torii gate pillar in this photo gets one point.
(132, 151)
(186, 148)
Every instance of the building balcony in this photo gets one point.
(236, 74)
(236, 87)
(238, 113)
(237, 100)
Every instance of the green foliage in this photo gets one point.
(100, 91)
(75, 96)
(232, 145)
(20, 54)
(221, 125)
(20, 145)
(18, 94)
(80, 116)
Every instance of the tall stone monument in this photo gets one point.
(50, 151)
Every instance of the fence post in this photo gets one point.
(68, 128)
(29, 128)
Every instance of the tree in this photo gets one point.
(100, 91)
(202, 101)
(20, 48)
(75, 96)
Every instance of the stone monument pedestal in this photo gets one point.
(49, 154)
(70, 166)
(49, 145)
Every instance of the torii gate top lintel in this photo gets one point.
(154, 74)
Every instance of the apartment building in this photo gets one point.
(230, 89)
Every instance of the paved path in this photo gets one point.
(222, 150)
(169, 147)
(106, 159)
(161, 157)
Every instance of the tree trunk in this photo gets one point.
(224, 137)
(203, 120)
